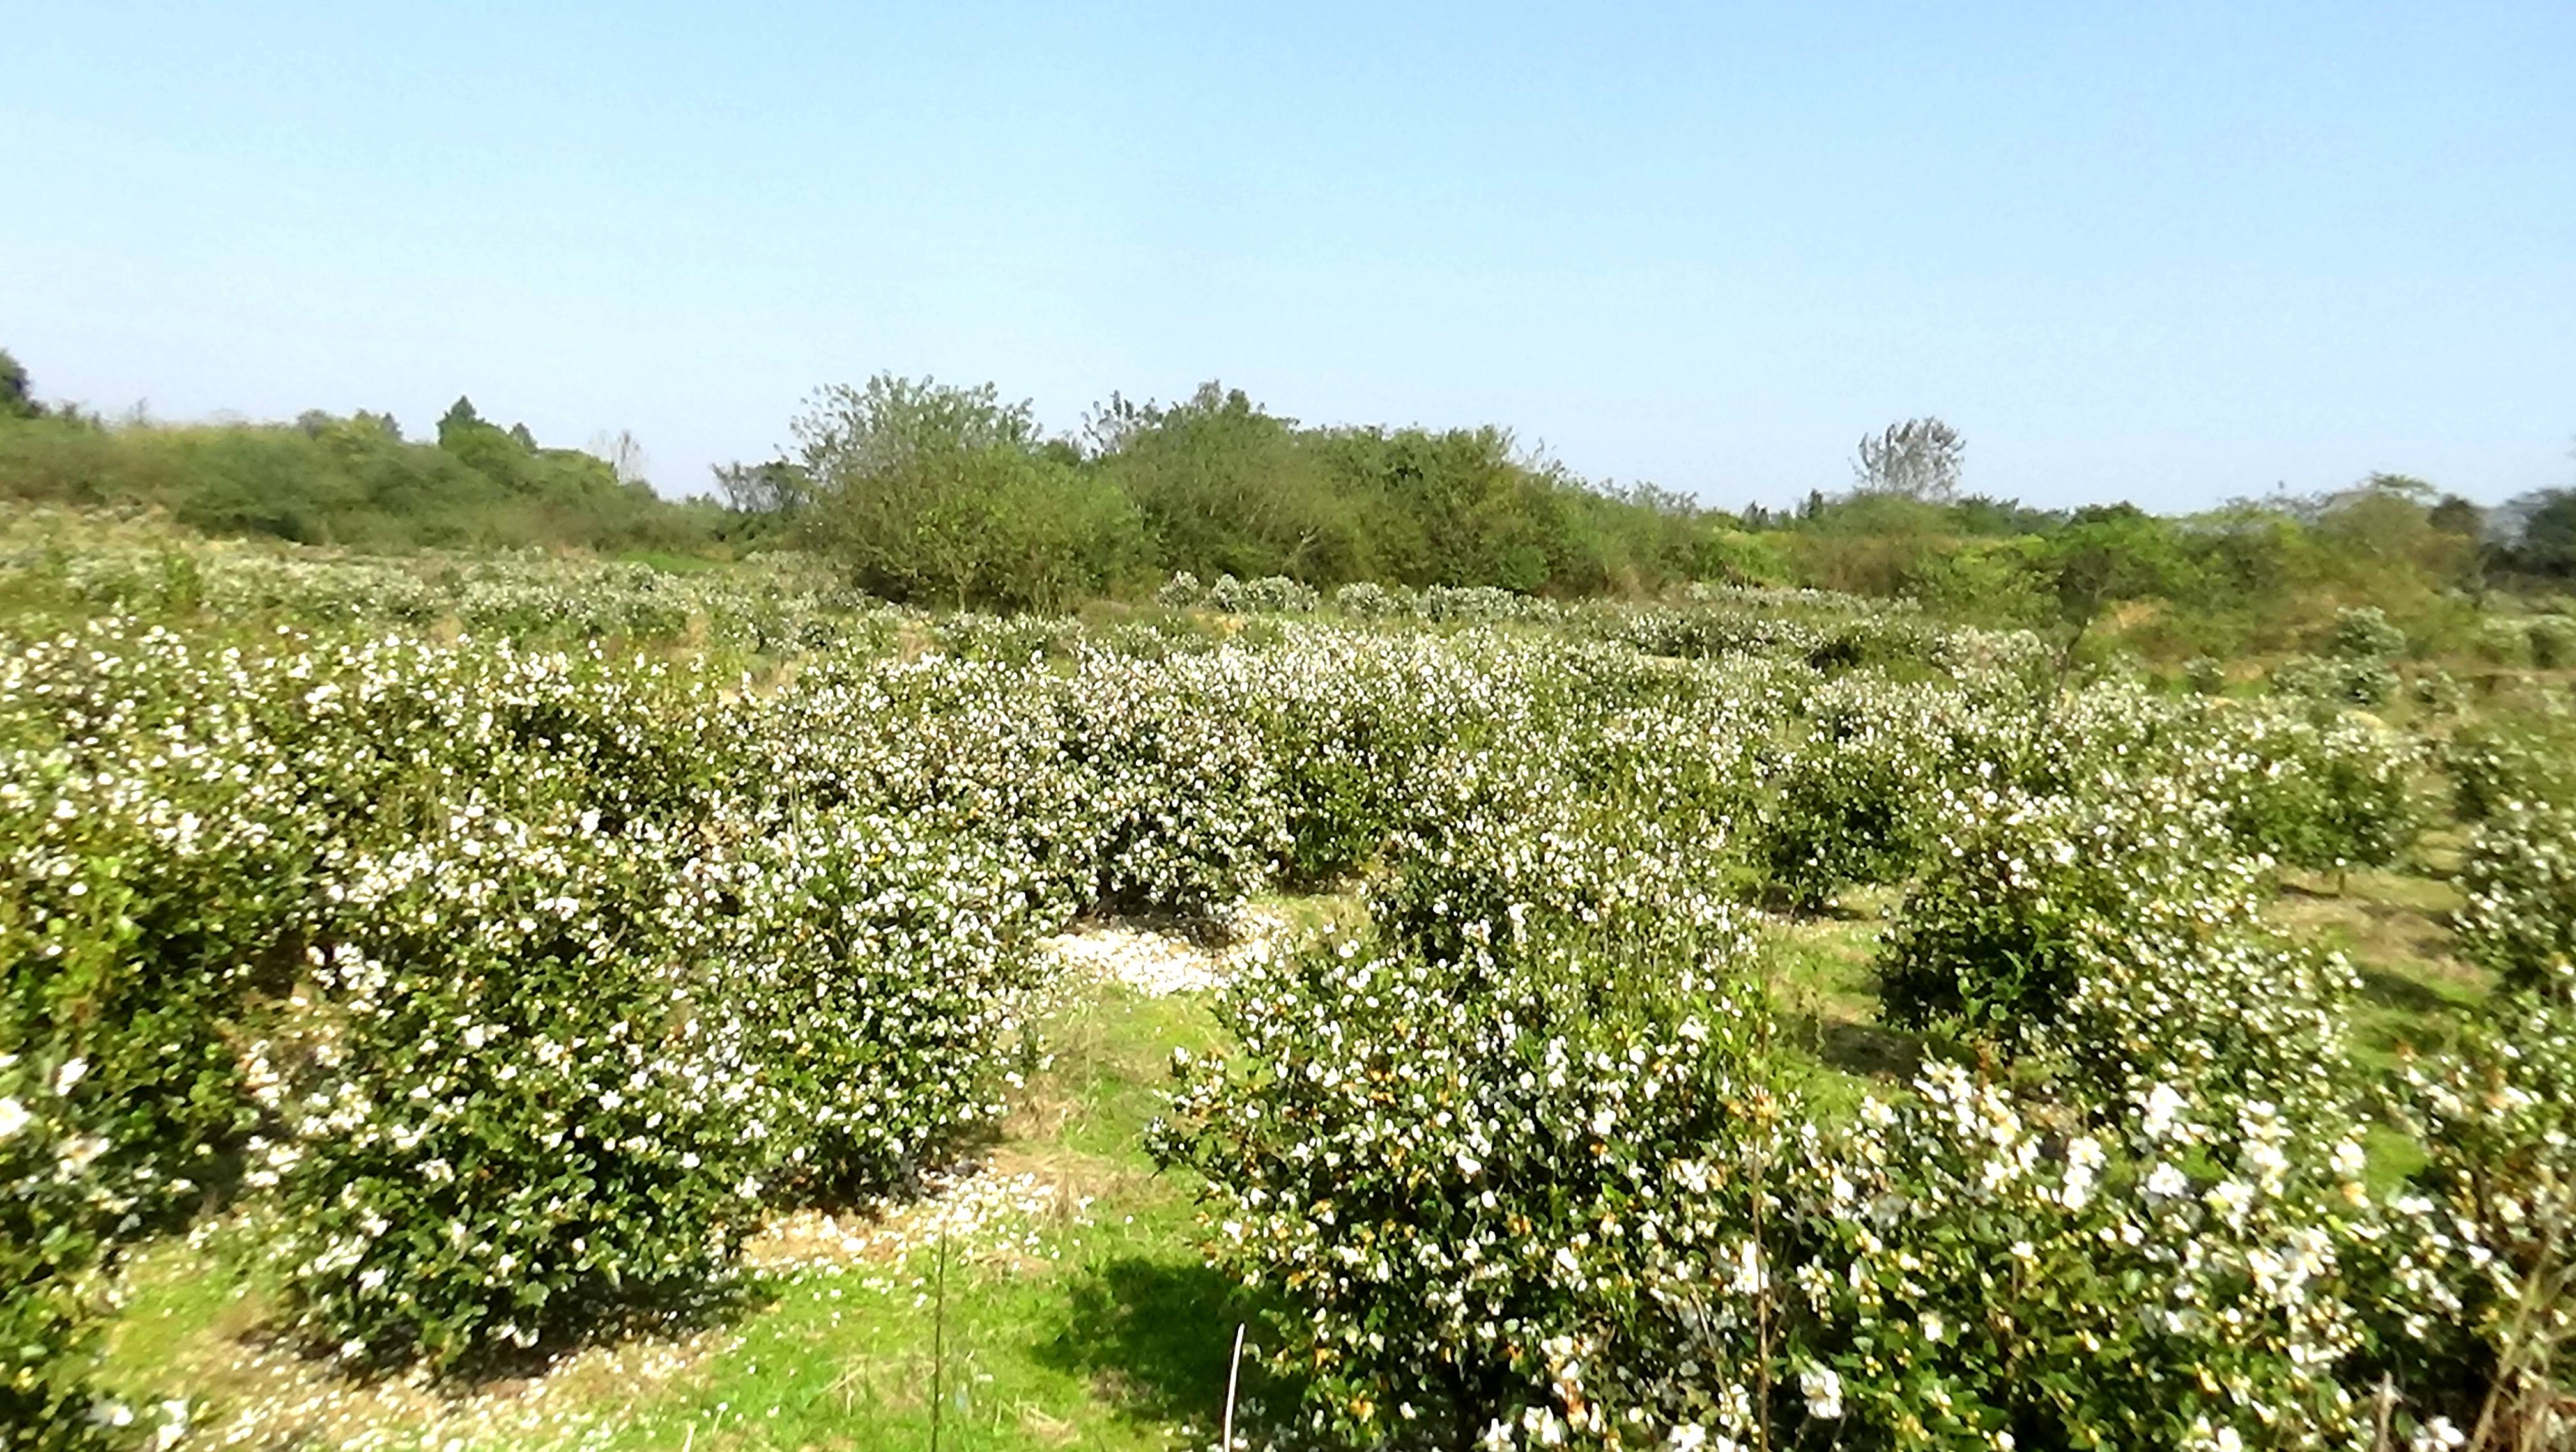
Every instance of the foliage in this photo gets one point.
(2518, 878)
(2113, 937)
(54, 1221)
(878, 969)
(2338, 679)
(2552, 641)
(2327, 792)
(1440, 1156)
(17, 398)
(1852, 802)
(2497, 1115)
(2366, 634)
(355, 480)
(943, 495)
(506, 1121)
(2506, 758)
(506, 988)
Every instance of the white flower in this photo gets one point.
(2162, 1105)
(2165, 1182)
(1688, 1437)
(81, 1153)
(71, 1073)
(2436, 1434)
(13, 1118)
(2230, 1199)
(107, 1412)
(1824, 1389)
(174, 1425)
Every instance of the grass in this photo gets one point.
(2395, 929)
(1824, 981)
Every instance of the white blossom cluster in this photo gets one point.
(2518, 874)
(775, 603)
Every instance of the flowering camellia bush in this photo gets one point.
(504, 990)
(1449, 1164)
(877, 971)
(2497, 1117)
(1849, 803)
(2518, 875)
(507, 1114)
(2329, 793)
(2552, 640)
(54, 1221)
(2366, 633)
(1956, 1269)
(2115, 939)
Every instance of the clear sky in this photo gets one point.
(2171, 252)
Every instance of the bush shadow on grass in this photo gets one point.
(2405, 995)
(1154, 1337)
(1866, 1050)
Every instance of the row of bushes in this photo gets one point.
(1524, 1167)
(507, 990)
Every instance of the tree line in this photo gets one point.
(353, 480)
(950, 496)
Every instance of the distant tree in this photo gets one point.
(2386, 521)
(776, 487)
(2107, 554)
(947, 495)
(625, 456)
(1226, 487)
(2546, 541)
(1918, 459)
(2454, 515)
(459, 415)
(16, 400)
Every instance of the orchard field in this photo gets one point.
(500, 1001)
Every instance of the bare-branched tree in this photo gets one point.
(1917, 459)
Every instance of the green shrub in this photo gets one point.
(1848, 804)
(2498, 760)
(1181, 802)
(2365, 634)
(510, 1115)
(54, 1245)
(2518, 878)
(2552, 639)
(2114, 937)
(1271, 595)
(2328, 794)
(1441, 1163)
(2496, 1115)
(1366, 600)
(2503, 642)
(878, 969)
(2358, 681)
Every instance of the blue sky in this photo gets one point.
(2173, 253)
